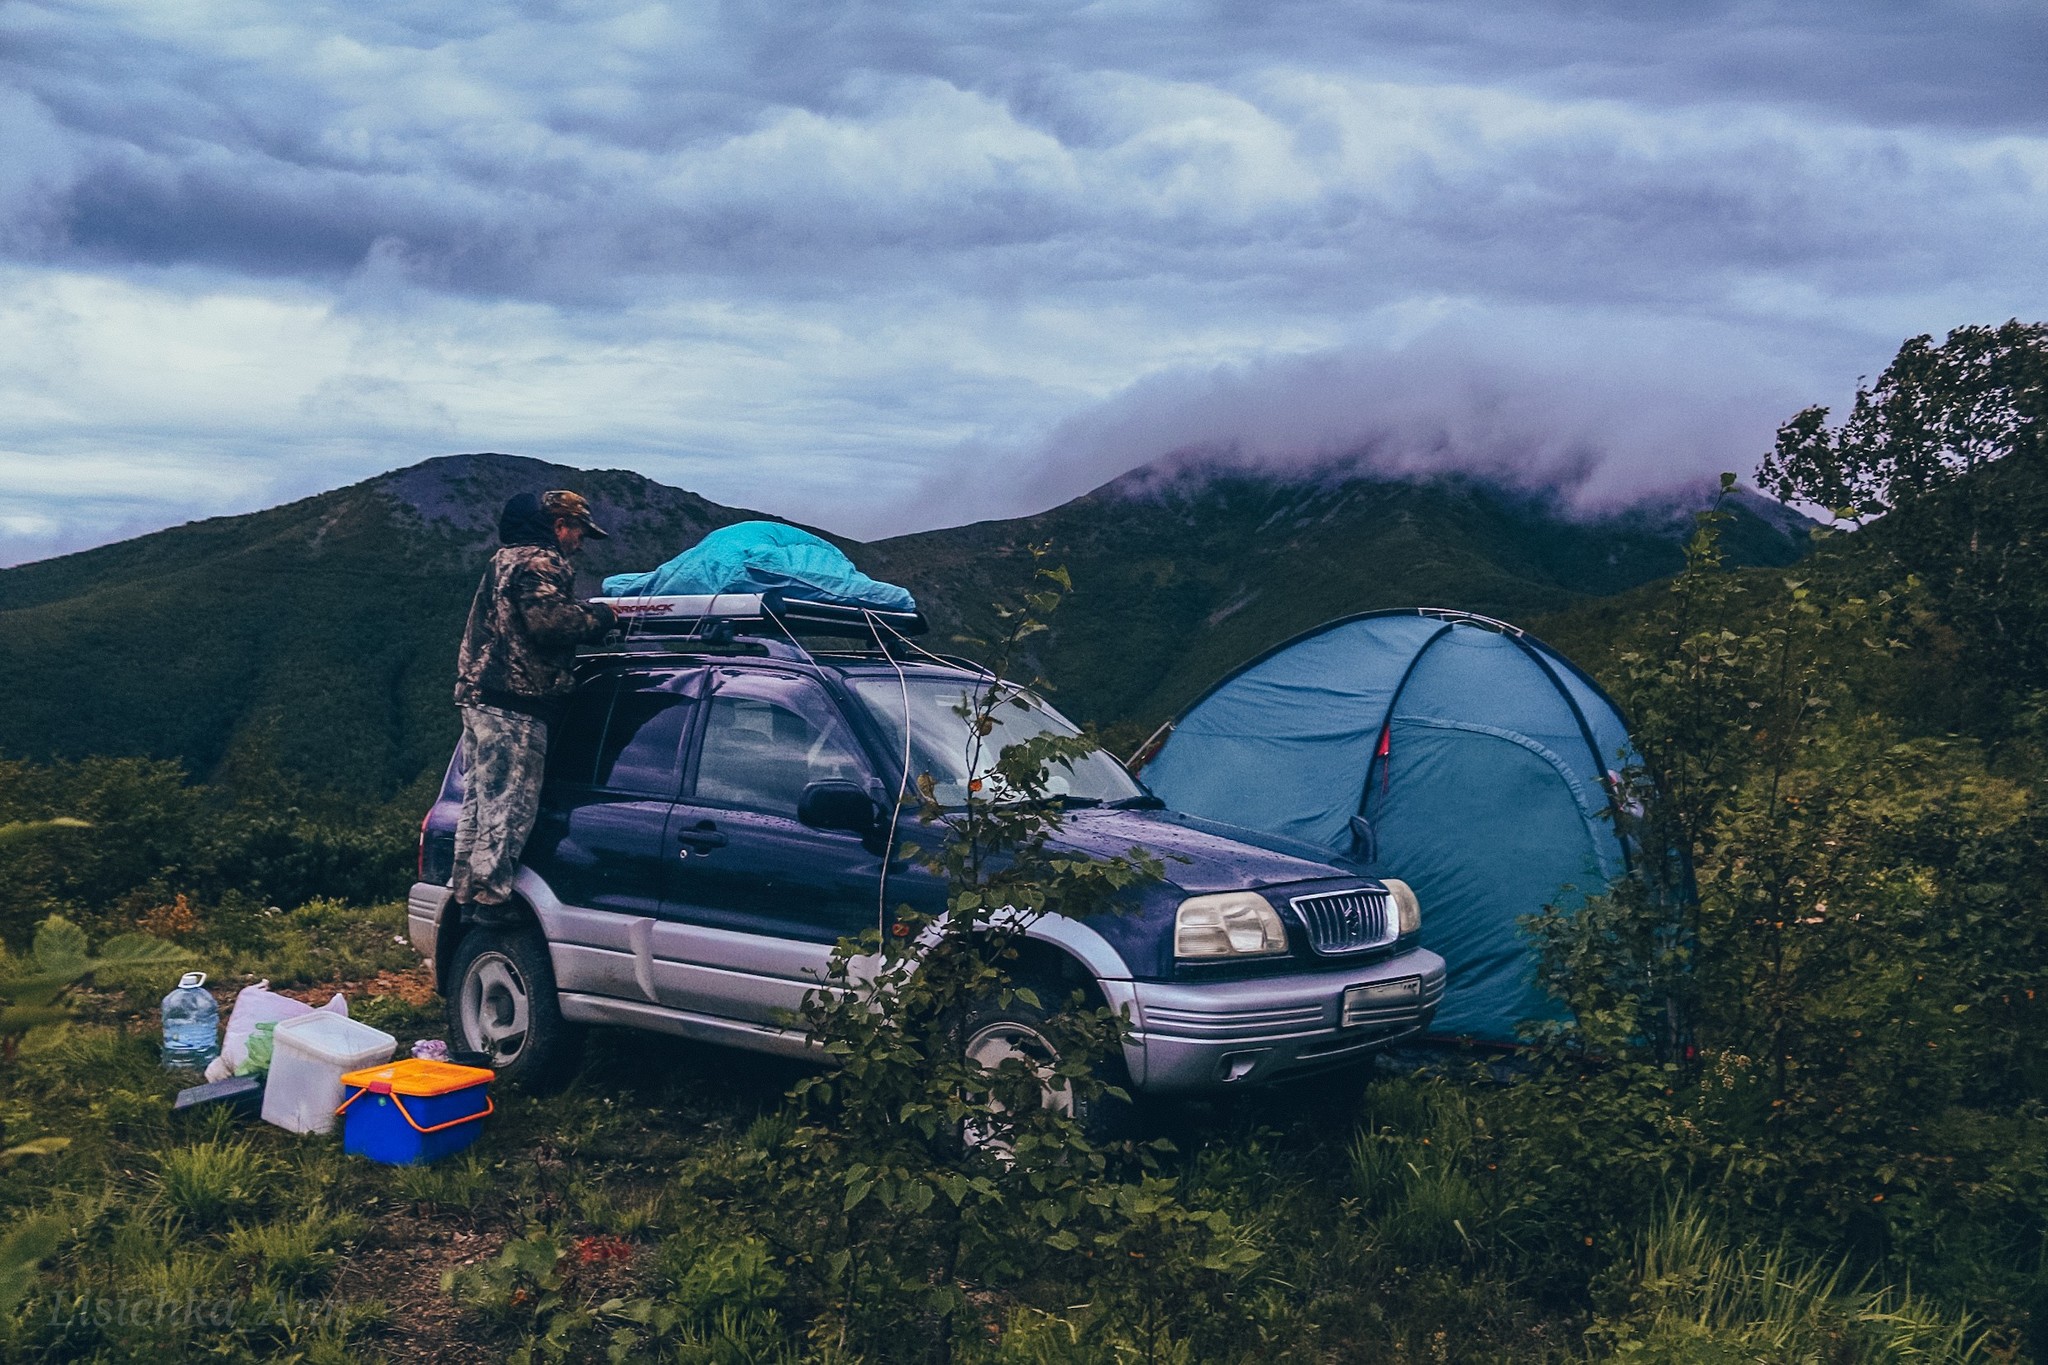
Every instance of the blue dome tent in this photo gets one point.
(1452, 751)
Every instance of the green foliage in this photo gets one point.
(1417, 1178)
(524, 1288)
(924, 1172)
(24, 1247)
(298, 1255)
(31, 987)
(459, 1182)
(154, 836)
(720, 1304)
(1813, 1003)
(1936, 415)
(20, 831)
(30, 994)
(1950, 449)
(318, 638)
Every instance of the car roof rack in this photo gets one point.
(720, 618)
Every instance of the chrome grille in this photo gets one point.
(1346, 921)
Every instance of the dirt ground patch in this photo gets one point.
(402, 1269)
(415, 986)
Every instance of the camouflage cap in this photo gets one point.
(561, 505)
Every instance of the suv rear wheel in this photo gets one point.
(501, 1002)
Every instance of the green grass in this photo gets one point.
(609, 1213)
(1702, 1300)
(212, 1183)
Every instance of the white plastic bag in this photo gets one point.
(258, 1004)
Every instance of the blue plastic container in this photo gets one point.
(412, 1111)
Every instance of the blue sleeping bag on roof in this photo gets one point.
(761, 556)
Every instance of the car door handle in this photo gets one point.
(703, 838)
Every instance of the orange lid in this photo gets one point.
(418, 1076)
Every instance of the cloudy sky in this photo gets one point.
(888, 266)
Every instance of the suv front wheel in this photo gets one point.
(992, 1034)
(501, 1002)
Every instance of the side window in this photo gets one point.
(767, 738)
(572, 744)
(643, 745)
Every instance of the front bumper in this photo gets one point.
(1191, 1036)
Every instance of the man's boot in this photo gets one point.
(485, 915)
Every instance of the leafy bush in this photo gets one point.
(1827, 959)
(154, 837)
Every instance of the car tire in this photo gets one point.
(501, 1002)
(990, 1032)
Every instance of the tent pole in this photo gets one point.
(1592, 747)
(1386, 729)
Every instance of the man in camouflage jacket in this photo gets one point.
(513, 672)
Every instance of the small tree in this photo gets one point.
(1949, 453)
(917, 1167)
(1936, 414)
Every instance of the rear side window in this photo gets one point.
(767, 738)
(572, 743)
(642, 751)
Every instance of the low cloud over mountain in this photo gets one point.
(1601, 424)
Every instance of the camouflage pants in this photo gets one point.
(503, 755)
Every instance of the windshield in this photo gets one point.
(940, 738)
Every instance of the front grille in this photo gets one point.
(1346, 921)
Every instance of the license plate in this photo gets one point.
(1374, 997)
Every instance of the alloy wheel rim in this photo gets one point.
(992, 1045)
(496, 1008)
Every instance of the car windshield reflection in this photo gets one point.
(934, 713)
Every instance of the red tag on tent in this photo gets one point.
(1386, 748)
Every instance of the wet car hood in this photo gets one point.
(1200, 855)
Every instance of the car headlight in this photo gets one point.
(1407, 909)
(1233, 924)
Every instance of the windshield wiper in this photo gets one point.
(1063, 801)
(1142, 801)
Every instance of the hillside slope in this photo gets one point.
(1178, 582)
(322, 631)
(321, 634)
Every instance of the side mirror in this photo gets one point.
(837, 804)
(1365, 840)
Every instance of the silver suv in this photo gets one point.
(715, 821)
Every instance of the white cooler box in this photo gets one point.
(309, 1056)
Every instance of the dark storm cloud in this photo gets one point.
(804, 255)
(544, 153)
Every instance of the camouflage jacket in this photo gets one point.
(524, 627)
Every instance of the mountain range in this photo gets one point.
(320, 634)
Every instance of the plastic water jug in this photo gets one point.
(191, 1023)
